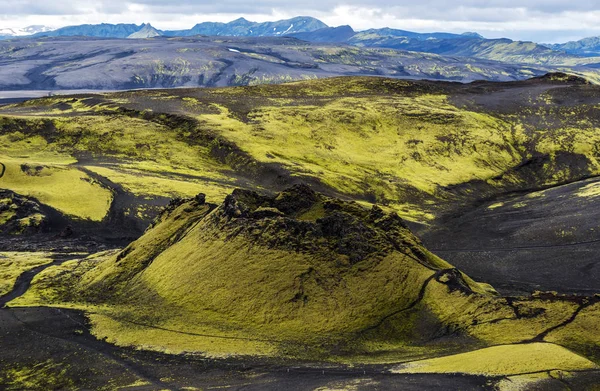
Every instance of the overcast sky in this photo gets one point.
(536, 20)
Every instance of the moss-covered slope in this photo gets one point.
(19, 214)
(295, 267)
(420, 148)
(296, 274)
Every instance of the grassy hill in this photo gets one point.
(298, 262)
(418, 148)
(304, 276)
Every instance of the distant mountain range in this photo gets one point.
(588, 47)
(237, 28)
(309, 29)
(23, 32)
(447, 44)
(464, 45)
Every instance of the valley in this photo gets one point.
(86, 63)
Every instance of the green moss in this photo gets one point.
(503, 360)
(48, 375)
(62, 187)
(144, 183)
(316, 212)
(590, 191)
(13, 264)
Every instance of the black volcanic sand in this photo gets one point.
(547, 240)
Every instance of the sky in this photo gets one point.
(547, 21)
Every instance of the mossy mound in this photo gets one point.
(503, 360)
(303, 275)
(19, 214)
(298, 267)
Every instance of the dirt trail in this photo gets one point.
(86, 339)
(24, 280)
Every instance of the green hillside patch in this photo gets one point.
(414, 147)
(378, 148)
(13, 264)
(146, 183)
(582, 334)
(590, 191)
(64, 188)
(503, 360)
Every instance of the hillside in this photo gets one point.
(304, 276)
(427, 150)
(275, 224)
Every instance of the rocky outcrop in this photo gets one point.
(19, 214)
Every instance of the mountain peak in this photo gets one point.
(242, 27)
(21, 32)
(473, 35)
(147, 31)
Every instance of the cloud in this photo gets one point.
(546, 20)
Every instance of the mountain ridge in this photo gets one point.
(587, 47)
(239, 27)
(24, 31)
(468, 44)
